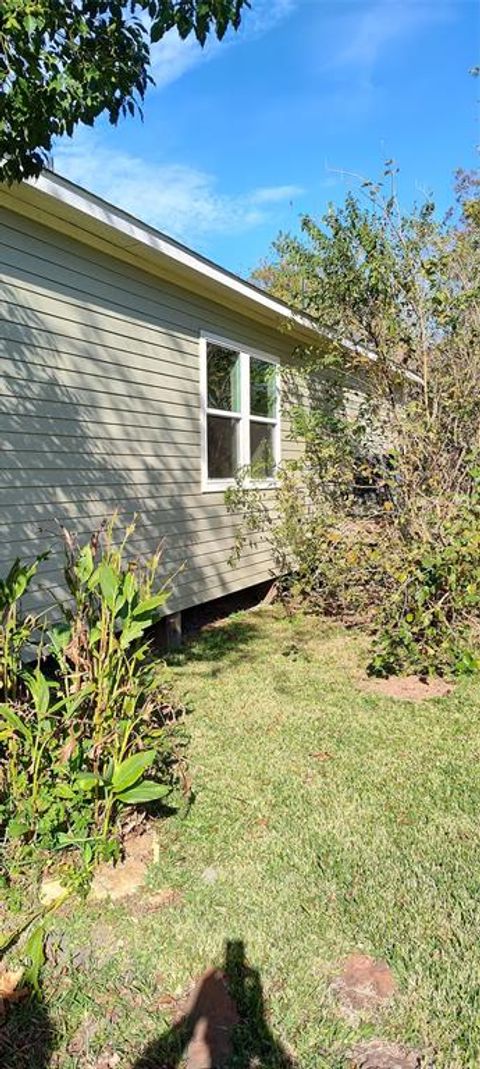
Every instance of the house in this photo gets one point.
(136, 375)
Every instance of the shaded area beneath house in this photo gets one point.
(215, 611)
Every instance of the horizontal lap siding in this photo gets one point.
(99, 409)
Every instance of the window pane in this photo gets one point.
(222, 447)
(262, 452)
(223, 378)
(263, 377)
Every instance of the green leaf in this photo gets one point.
(63, 790)
(73, 701)
(129, 586)
(107, 772)
(18, 579)
(94, 579)
(146, 607)
(64, 839)
(40, 691)
(14, 721)
(60, 636)
(84, 564)
(120, 601)
(95, 634)
(17, 827)
(157, 31)
(108, 583)
(146, 791)
(130, 770)
(87, 781)
(34, 949)
(131, 632)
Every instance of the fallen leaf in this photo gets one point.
(67, 749)
(166, 1002)
(322, 755)
(10, 991)
(9, 981)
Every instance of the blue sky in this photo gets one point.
(241, 138)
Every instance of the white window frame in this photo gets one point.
(243, 416)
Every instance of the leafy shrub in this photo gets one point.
(429, 622)
(15, 629)
(392, 538)
(316, 553)
(101, 731)
(325, 521)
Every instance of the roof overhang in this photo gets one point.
(63, 206)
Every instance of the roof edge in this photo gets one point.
(132, 234)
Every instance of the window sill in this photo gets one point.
(219, 486)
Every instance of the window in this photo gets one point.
(223, 411)
(263, 406)
(241, 414)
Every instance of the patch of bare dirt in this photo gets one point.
(166, 898)
(408, 688)
(127, 877)
(364, 984)
(377, 1054)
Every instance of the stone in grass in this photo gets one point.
(378, 1054)
(51, 890)
(364, 984)
(210, 875)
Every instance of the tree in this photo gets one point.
(65, 62)
(381, 513)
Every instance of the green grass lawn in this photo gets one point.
(326, 820)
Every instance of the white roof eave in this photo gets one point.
(64, 201)
(62, 205)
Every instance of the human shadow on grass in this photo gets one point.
(27, 1037)
(223, 1025)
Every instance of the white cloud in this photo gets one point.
(275, 194)
(370, 30)
(172, 57)
(182, 201)
(265, 14)
(363, 36)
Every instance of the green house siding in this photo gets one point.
(100, 408)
